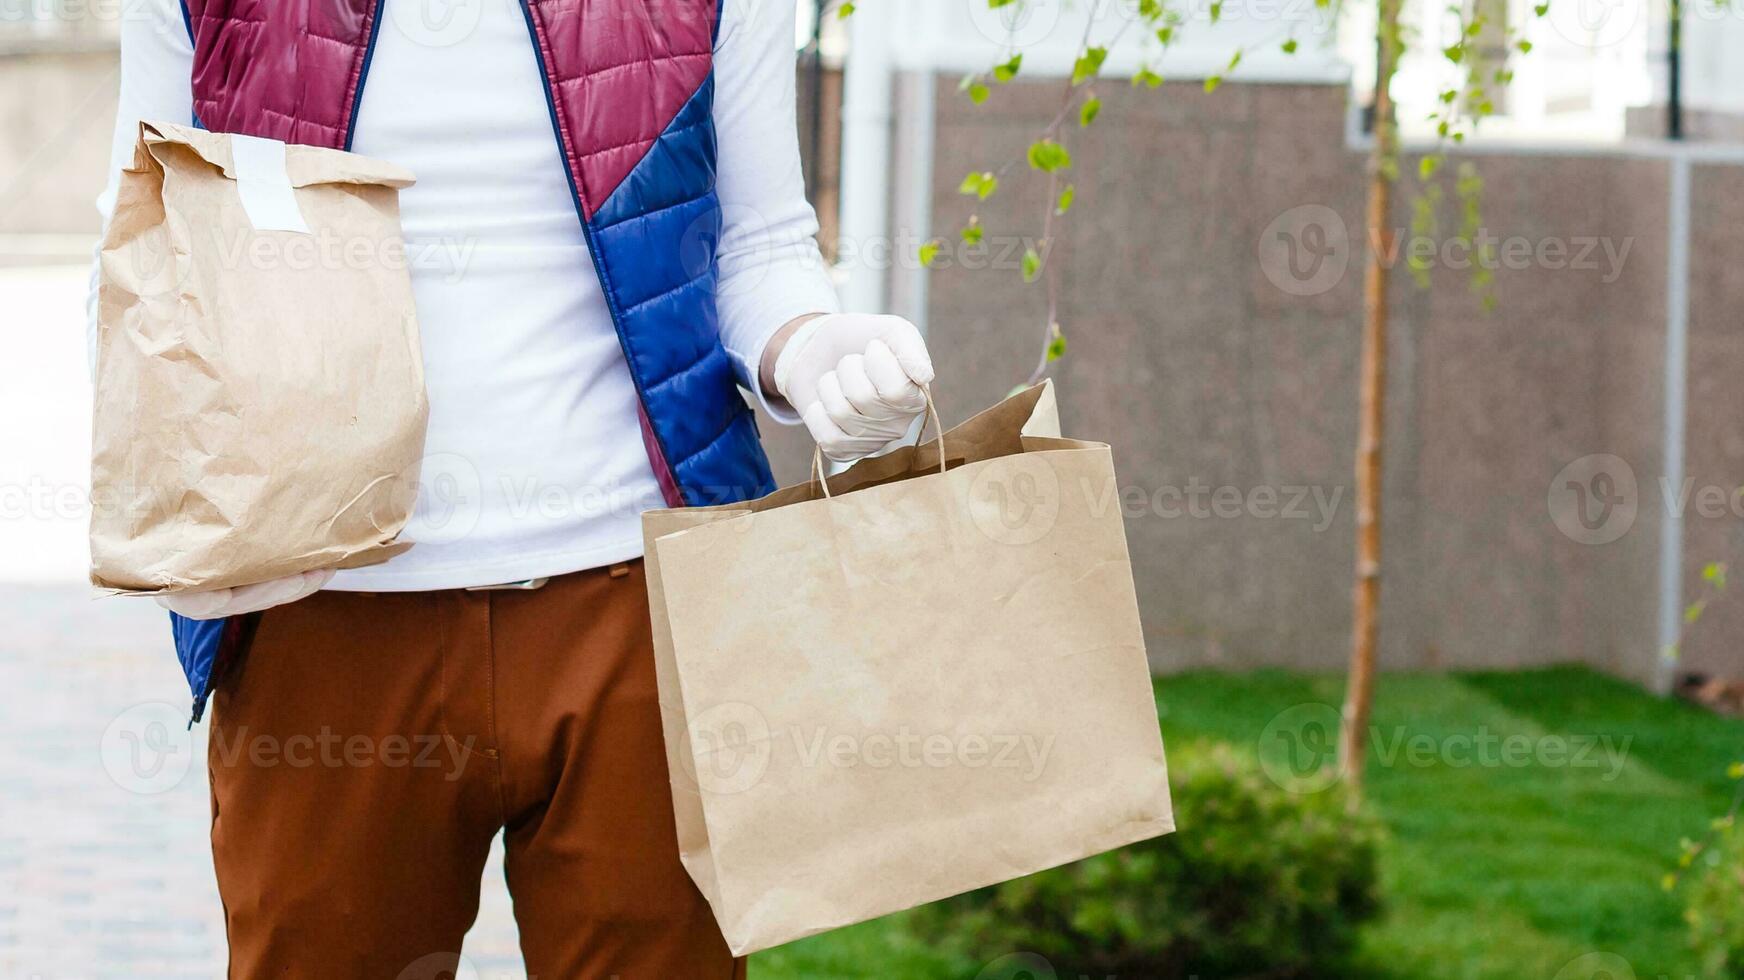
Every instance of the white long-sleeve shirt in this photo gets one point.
(535, 463)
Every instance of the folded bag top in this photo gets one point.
(259, 399)
(304, 165)
(922, 683)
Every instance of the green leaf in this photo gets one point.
(1057, 346)
(1427, 166)
(1234, 59)
(1695, 610)
(973, 234)
(1165, 35)
(1216, 11)
(1088, 64)
(1735, 770)
(1714, 573)
(1212, 82)
(1147, 78)
(981, 185)
(928, 253)
(1008, 71)
(1524, 46)
(1092, 109)
(996, 4)
(1290, 46)
(1067, 196)
(1454, 53)
(1032, 265)
(978, 92)
(1541, 9)
(845, 11)
(1048, 156)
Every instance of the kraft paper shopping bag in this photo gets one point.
(926, 682)
(259, 400)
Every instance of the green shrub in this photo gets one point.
(1716, 906)
(1258, 881)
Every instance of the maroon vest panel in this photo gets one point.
(288, 70)
(619, 71)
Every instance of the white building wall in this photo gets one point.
(961, 36)
(1713, 60)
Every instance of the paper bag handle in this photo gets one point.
(932, 412)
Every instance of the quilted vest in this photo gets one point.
(630, 88)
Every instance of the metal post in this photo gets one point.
(815, 67)
(1671, 599)
(1674, 73)
(865, 251)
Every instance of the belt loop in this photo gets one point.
(620, 570)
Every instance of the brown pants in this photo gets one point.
(367, 748)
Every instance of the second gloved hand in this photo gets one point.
(855, 380)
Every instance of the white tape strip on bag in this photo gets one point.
(261, 178)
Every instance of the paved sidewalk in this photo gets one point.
(105, 867)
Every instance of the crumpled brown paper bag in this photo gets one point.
(260, 405)
(925, 684)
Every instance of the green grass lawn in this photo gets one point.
(1496, 866)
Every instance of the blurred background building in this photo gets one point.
(1207, 364)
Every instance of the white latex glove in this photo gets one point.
(855, 380)
(218, 603)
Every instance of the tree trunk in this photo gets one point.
(1383, 161)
